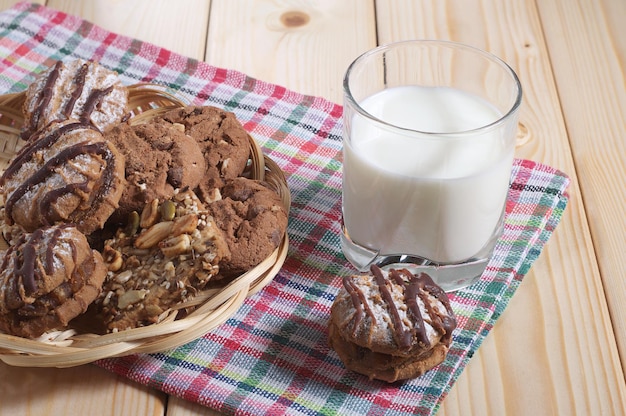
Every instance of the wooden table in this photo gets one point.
(557, 347)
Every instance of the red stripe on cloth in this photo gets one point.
(264, 108)
(279, 92)
(58, 18)
(108, 40)
(160, 59)
(45, 29)
(204, 93)
(149, 52)
(220, 75)
(214, 77)
(163, 58)
(22, 50)
(336, 111)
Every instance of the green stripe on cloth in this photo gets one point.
(272, 356)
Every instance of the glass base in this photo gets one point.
(449, 277)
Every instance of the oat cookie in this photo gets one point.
(391, 325)
(254, 221)
(160, 158)
(221, 137)
(78, 89)
(69, 174)
(166, 256)
(47, 278)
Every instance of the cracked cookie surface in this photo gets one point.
(160, 158)
(223, 141)
(254, 221)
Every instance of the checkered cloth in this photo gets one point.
(272, 357)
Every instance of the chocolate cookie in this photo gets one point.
(222, 139)
(79, 90)
(68, 173)
(391, 325)
(174, 254)
(160, 157)
(254, 221)
(48, 278)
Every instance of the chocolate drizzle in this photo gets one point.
(42, 101)
(25, 267)
(93, 101)
(79, 84)
(26, 270)
(411, 292)
(44, 97)
(403, 335)
(32, 261)
(359, 302)
(415, 286)
(423, 286)
(443, 323)
(52, 243)
(49, 168)
(40, 143)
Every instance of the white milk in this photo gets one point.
(439, 197)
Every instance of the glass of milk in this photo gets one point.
(429, 137)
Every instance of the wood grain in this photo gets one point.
(166, 23)
(304, 46)
(5, 4)
(180, 407)
(544, 339)
(593, 98)
(553, 351)
(85, 390)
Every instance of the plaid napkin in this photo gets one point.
(272, 357)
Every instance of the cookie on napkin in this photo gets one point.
(391, 325)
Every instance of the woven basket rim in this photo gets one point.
(212, 307)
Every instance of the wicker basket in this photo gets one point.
(210, 308)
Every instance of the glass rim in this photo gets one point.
(449, 44)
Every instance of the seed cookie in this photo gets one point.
(166, 256)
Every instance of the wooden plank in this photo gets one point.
(85, 390)
(554, 343)
(162, 22)
(589, 69)
(180, 407)
(304, 46)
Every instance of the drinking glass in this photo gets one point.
(429, 138)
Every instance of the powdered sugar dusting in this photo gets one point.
(110, 110)
(372, 295)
